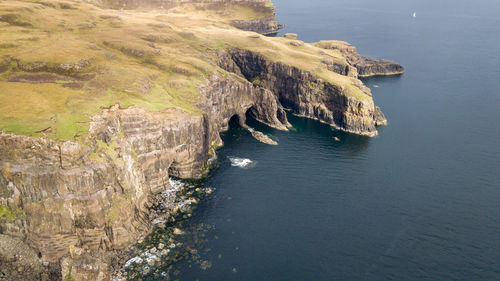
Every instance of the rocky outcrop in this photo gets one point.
(267, 26)
(365, 66)
(377, 67)
(262, 137)
(307, 95)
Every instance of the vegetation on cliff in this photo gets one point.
(102, 101)
(61, 62)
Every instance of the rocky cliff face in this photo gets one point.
(96, 195)
(307, 95)
(76, 200)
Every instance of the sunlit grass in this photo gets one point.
(150, 59)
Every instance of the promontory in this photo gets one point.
(102, 101)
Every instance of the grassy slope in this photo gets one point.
(152, 59)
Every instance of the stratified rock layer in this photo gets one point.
(72, 201)
(97, 194)
(307, 95)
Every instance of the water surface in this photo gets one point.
(419, 202)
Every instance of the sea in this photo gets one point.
(420, 201)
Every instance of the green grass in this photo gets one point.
(152, 60)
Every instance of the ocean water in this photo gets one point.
(421, 201)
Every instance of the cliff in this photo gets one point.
(101, 106)
(309, 95)
(365, 66)
(250, 15)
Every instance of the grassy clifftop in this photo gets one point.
(61, 62)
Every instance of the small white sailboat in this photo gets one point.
(414, 15)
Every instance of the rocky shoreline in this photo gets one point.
(73, 208)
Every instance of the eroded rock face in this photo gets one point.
(233, 95)
(96, 195)
(306, 94)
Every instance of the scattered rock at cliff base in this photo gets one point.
(205, 265)
(243, 163)
(337, 139)
(262, 137)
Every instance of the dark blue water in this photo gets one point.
(419, 202)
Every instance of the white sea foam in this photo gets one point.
(241, 162)
(175, 184)
(133, 260)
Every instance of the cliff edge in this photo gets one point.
(104, 101)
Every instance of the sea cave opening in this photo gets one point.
(238, 120)
(234, 121)
(251, 113)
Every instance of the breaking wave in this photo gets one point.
(244, 163)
